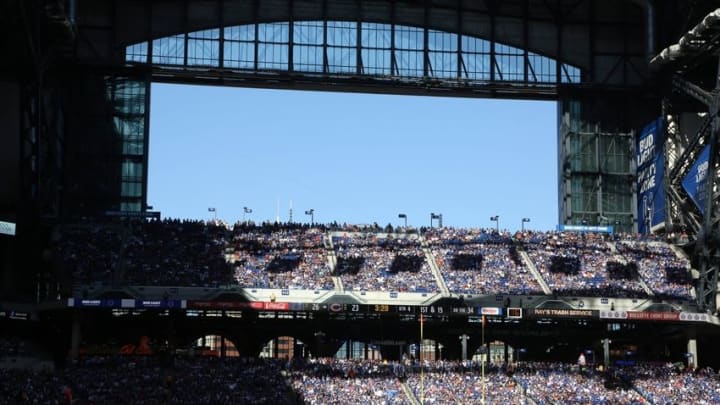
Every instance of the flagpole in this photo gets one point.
(482, 340)
(422, 369)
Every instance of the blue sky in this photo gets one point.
(353, 158)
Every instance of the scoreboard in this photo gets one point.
(339, 308)
(198, 307)
(283, 306)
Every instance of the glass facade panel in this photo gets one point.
(509, 63)
(376, 36)
(342, 46)
(169, 50)
(137, 53)
(443, 64)
(409, 63)
(442, 54)
(204, 48)
(617, 153)
(128, 98)
(475, 58)
(341, 33)
(569, 74)
(375, 52)
(308, 49)
(583, 152)
(541, 69)
(273, 46)
(617, 194)
(584, 194)
(239, 47)
(341, 60)
(336, 47)
(409, 38)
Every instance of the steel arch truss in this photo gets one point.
(396, 54)
(491, 48)
(703, 216)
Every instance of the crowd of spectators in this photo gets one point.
(169, 252)
(187, 253)
(121, 379)
(465, 387)
(274, 257)
(295, 256)
(667, 275)
(383, 262)
(88, 253)
(577, 264)
(563, 383)
(144, 380)
(11, 347)
(334, 381)
(479, 261)
(667, 384)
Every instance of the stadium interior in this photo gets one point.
(105, 300)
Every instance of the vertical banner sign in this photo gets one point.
(650, 158)
(695, 182)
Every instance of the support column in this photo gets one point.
(692, 358)
(606, 352)
(463, 344)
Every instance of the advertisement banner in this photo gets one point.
(561, 313)
(650, 160)
(695, 182)
(584, 228)
(653, 316)
(495, 311)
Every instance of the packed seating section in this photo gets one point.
(296, 256)
(208, 380)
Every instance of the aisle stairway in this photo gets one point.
(531, 266)
(409, 394)
(430, 258)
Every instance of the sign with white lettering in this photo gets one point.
(695, 182)
(650, 159)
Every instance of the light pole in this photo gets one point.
(214, 211)
(246, 210)
(435, 216)
(404, 216)
(311, 212)
(522, 223)
(440, 347)
(496, 218)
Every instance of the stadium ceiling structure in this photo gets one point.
(487, 48)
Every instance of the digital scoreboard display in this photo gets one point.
(279, 307)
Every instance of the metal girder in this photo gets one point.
(689, 60)
(569, 32)
(708, 247)
(700, 40)
(692, 90)
(691, 150)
